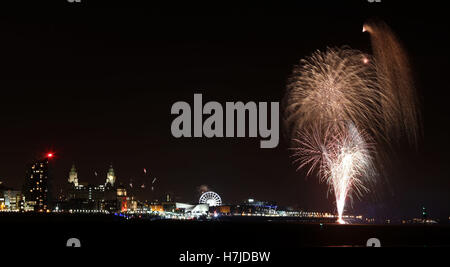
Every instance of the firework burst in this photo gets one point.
(342, 104)
(334, 86)
(333, 112)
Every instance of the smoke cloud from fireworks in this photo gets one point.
(343, 105)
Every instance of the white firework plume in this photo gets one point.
(342, 156)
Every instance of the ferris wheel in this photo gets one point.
(211, 198)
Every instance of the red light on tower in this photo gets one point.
(49, 155)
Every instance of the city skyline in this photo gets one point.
(111, 181)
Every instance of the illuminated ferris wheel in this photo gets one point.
(211, 198)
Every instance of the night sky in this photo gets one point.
(95, 85)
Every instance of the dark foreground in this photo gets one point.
(51, 230)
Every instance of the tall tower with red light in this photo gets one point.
(36, 188)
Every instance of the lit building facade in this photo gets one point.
(110, 177)
(252, 206)
(12, 200)
(36, 186)
(73, 176)
(107, 197)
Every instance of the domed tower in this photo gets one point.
(73, 176)
(110, 176)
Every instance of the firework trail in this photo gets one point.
(342, 105)
(401, 102)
